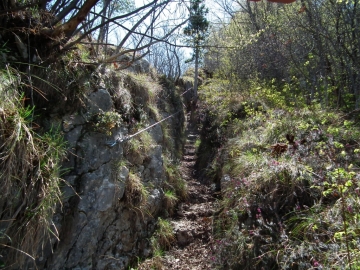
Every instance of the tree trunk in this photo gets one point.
(103, 29)
(196, 74)
(195, 92)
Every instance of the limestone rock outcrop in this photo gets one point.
(98, 226)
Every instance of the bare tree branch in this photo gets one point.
(70, 26)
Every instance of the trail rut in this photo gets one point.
(193, 221)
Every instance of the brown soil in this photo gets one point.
(193, 221)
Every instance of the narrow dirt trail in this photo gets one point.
(193, 222)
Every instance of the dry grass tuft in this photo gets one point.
(135, 192)
(164, 236)
(170, 201)
(30, 177)
(174, 180)
(154, 263)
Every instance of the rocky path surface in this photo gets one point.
(193, 222)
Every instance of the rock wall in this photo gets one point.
(112, 193)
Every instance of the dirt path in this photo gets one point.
(193, 222)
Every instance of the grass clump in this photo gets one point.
(30, 177)
(136, 193)
(164, 235)
(161, 241)
(171, 200)
(175, 183)
(144, 89)
(197, 143)
(138, 147)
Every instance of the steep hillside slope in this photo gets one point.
(289, 179)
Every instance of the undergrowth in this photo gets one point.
(161, 240)
(30, 176)
(289, 176)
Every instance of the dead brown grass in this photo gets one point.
(29, 176)
(135, 192)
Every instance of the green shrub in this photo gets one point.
(282, 209)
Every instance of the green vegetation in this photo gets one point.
(106, 121)
(175, 183)
(170, 201)
(285, 159)
(161, 241)
(164, 235)
(197, 143)
(196, 32)
(298, 45)
(289, 180)
(30, 174)
(282, 126)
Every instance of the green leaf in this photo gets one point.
(339, 235)
(348, 183)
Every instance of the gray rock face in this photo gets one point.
(142, 66)
(97, 228)
(123, 175)
(156, 164)
(92, 152)
(154, 201)
(156, 133)
(99, 101)
(139, 66)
